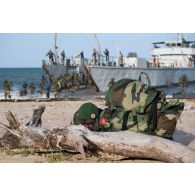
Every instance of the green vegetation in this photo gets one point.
(56, 157)
(24, 152)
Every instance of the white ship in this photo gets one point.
(174, 54)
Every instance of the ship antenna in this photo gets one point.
(181, 37)
(99, 48)
(55, 47)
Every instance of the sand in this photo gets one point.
(61, 113)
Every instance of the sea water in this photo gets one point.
(17, 76)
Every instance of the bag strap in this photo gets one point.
(147, 76)
(152, 115)
(125, 119)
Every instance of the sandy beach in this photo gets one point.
(61, 113)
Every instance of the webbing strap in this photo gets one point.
(125, 119)
(152, 115)
(147, 76)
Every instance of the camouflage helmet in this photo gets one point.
(87, 112)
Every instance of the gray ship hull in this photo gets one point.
(159, 77)
(102, 75)
(58, 70)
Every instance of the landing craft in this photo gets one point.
(171, 60)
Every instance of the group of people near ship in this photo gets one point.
(48, 85)
(23, 91)
(64, 83)
(97, 58)
(52, 57)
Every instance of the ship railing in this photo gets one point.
(76, 61)
(105, 61)
(68, 61)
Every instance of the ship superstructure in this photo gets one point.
(174, 54)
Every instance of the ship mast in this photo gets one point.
(99, 48)
(181, 37)
(55, 47)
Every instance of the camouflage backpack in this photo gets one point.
(133, 105)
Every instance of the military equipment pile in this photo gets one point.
(133, 105)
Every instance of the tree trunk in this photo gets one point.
(123, 144)
(36, 118)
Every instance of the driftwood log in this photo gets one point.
(124, 144)
(36, 120)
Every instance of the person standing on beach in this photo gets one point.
(25, 85)
(32, 88)
(86, 81)
(56, 88)
(43, 79)
(7, 89)
(47, 88)
(111, 82)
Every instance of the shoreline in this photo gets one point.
(75, 98)
(55, 99)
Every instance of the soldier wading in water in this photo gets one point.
(7, 89)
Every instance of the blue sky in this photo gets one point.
(28, 50)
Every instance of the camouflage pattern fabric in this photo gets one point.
(114, 122)
(167, 117)
(129, 95)
(7, 94)
(168, 114)
(133, 105)
(7, 89)
(143, 108)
